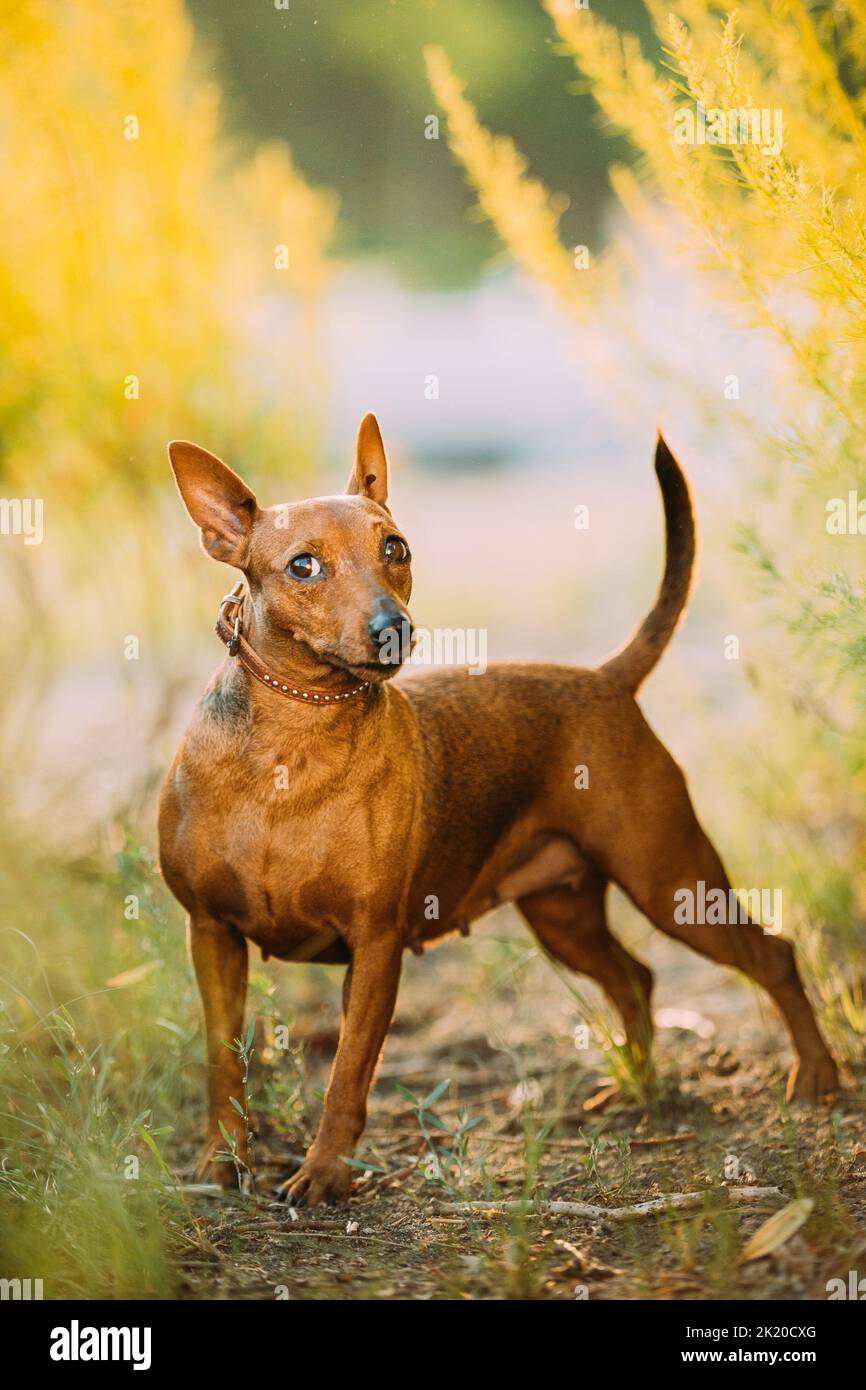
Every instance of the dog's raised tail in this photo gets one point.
(633, 663)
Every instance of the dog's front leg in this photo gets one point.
(368, 1007)
(219, 955)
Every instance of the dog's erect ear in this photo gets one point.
(370, 474)
(219, 502)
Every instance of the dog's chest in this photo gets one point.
(285, 846)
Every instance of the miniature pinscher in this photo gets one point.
(327, 814)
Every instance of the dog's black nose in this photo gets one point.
(391, 631)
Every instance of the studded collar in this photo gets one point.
(228, 629)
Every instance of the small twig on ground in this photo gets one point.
(304, 1223)
(578, 1143)
(663, 1139)
(362, 1236)
(204, 1189)
(657, 1206)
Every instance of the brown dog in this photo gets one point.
(328, 815)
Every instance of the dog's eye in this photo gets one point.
(304, 567)
(396, 551)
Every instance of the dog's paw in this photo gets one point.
(317, 1180)
(813, 1079)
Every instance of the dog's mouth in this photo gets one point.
(364, 670)
(392, 656)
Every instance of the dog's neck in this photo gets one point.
(282, 667)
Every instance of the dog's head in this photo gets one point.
(333, 573)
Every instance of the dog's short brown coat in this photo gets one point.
(327, 833)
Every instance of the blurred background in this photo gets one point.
(248, 226)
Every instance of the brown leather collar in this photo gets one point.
(229, 631)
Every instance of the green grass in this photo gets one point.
(94, 1078)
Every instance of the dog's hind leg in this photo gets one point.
(664, 861)
(572, 927)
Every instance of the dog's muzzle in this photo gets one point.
(390, 631)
